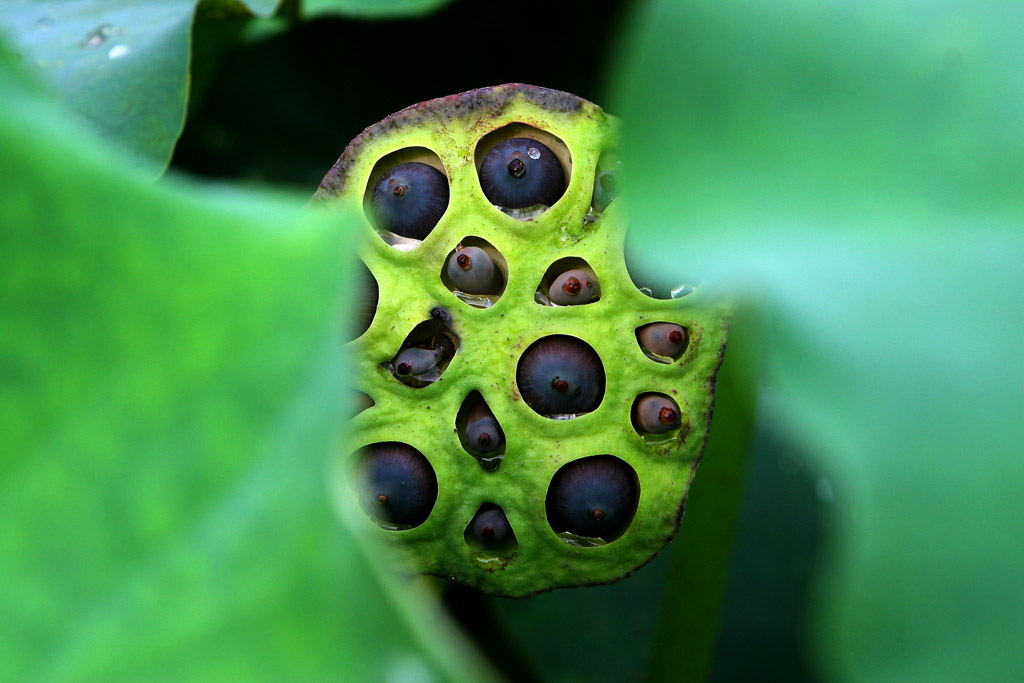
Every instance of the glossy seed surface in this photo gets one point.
(409, 199)
(594, 497)
(663, 339)
(561, 375)
(490, 526)
(472, 270)
(398, 484)
(521, 172)
(655, 414)
(572, 288)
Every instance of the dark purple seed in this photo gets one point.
(409, 199)
(595, 497)
(398, 484)
(560, 375)
(521, 172)
(490, 526)
(484, 435)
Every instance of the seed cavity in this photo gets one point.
(656, 414)
(394, 483)
(475, 272)
(425, 354)
(592, 498)
(568, 281)
(523, 170)
(663, 342)
(406, 195)
(652, 283)
(489, 534)
(560, 377)
(479, 432)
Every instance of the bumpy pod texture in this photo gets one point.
(587, 497)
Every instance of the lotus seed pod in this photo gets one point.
(584, 499)
(656, 414)
(472, 270)
(572, 288)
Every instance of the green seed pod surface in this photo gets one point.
(492, 340)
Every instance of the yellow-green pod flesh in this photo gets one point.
(490, 334)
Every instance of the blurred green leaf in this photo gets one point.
(371, 9)
(856, 169)
(171, 391)
(122, 65)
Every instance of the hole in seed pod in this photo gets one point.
(366, 308)
(358, 402)
(607, 182)
(425, 354)
(475, 272)
(479, 432)
(489, 533)
(663, 342)
(568, 282)
(657, 418)
(406, 196)
(523, 170)
(560, 377)
(657, 285)
(395, 484)
(592, 498)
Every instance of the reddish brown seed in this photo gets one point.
(484, 439)
(572, 288)
(665, 340)
(403, 368)
(560, 385)
(399, 190)
(382, 499)
(655, 414)
(597, 514)
(487, 533)
(473, 271)
(516, 167)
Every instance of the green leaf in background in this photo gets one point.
(855, 169)
(172, 392)
(371, 9)
(122, 65)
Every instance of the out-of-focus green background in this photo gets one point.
(171, 382)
